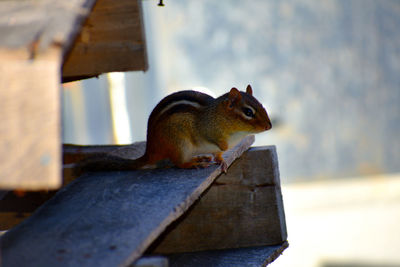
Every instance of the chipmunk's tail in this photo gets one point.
(106, 162)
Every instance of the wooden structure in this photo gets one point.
(190, 217)
(43, 43)
(112, 218)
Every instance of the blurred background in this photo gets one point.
(328, 73)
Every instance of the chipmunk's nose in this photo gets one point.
(268, 126)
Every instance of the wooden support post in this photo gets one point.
(30, 151)
(34, 37)
(242, 208)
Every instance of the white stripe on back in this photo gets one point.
(180, 102)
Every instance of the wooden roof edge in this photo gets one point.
(37, 25)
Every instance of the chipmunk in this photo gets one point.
(187, 125)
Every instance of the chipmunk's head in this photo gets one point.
(247, 112)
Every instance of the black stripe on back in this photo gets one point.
(188, 95)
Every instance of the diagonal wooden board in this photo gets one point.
(243, 208)
(107, 218)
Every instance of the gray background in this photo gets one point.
(328, 73)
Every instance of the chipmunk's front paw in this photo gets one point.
(224, 166)
(204, 158)
(220, 160)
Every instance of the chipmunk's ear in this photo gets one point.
(233, 97)
(249, 90)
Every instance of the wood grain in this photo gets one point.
(30, 151)
(74, 153)
(112, 39)
(34, 36)
(242, 208)
(36, 26)
(108, 218)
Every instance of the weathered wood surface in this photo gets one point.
(34, 36)
(74, 153)
(35, 26)
(112, 39)
(14, 209)
(30, 151)
(243, 257)
(151, 261)
(107, 218)
(242, 208)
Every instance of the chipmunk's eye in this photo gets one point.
(248, 112)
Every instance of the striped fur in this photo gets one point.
(179, 99)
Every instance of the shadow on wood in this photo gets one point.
(107, 218)
(242, 208)
(243, 257)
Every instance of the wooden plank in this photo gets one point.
(34, 36)
(112, 39)
(151, 261)
(242, 208)
(74, 153)
(14, 208)
(30, 152)
(36, 26)
(107, 218)
(243, 257)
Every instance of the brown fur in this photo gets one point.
(188, 121)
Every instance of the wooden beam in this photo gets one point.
(75, 153)
(30, 151)
(112, 39)
(108, 218)
(34, 36)
(242, 208)
(36, 26)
